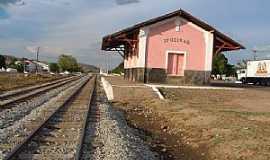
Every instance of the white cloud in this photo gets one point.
(77, 27)
(31, 49)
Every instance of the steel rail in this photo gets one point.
(5, 104)
(15, 151)
(82, 135)
(29, 89)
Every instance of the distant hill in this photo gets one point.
(89, 68)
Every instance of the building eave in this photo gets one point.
(112, 39)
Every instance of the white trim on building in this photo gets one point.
(209, 47)
(143, 38)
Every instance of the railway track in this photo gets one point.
(12, 114)
(60, 133)
(21, 95)
(11, 93)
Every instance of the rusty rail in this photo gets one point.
(16, 151)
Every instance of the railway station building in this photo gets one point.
(176, 48)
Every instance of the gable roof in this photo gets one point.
(180, 13)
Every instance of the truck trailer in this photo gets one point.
(257, 72)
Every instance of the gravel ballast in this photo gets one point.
(14, 134)
(9, 116)
(110, 137)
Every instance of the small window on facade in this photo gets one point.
(177, 28)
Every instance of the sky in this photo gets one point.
(76, 27)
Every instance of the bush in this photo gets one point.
(119, 69)
(54, 67)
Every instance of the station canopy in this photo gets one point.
(128, 36)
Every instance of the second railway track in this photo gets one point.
(7, 99)
(60, 134)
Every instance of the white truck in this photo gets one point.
(257, 72)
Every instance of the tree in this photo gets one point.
(242, 64)
(221, 66)
(230, 70)
(12, 63)
(19, 67)
(68, 63)
(54, 67)
(2, 62)
(119, 69)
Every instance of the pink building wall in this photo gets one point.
(159, 43)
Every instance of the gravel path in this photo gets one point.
(110, 137)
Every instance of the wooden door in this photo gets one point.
(175, 64)
(180, 64)
(170, 64)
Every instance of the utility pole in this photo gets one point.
(37, 60)
(255, 55)
(109, 62)
(262, 49)
(24, 65)
(107, 65)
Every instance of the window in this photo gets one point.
(178, 24)
(177, 28)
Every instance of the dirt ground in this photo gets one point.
(9, 81)
(199, 124)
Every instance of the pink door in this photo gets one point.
(170, 64)
(175, 64)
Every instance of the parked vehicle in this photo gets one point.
(257, 72)
(241, 74)
(65, 73)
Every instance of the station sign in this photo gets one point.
(176, 40)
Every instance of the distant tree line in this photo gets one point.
(70, 64)
(65, 63)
